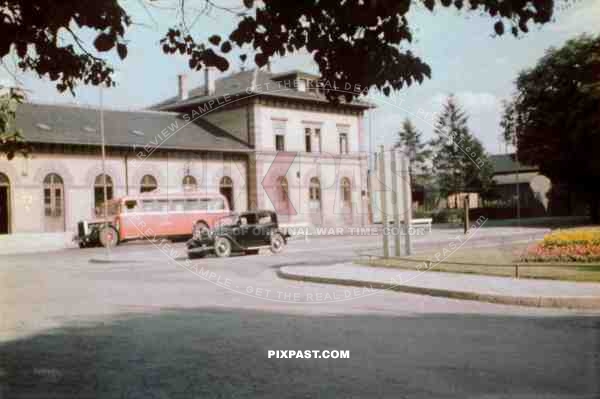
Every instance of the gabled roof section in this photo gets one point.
(506, 163)
(255, 82)
(67, 124)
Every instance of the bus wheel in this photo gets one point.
(222, 247)
(109, 237)
(199, 230)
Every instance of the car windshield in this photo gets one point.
(228, 220)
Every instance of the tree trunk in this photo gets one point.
(569, 201)
(595, 208)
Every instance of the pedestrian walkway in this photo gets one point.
(23, 243)
(504, 290)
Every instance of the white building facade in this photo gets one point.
(288, 150)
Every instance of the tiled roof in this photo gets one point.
(505, 163)
(66, 124)
(253, 81)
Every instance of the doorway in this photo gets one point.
(4, 204)
(226, 190)
(54, 204)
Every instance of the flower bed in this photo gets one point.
(578, 245)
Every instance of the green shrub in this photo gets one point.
(421, 213)
(452, 216)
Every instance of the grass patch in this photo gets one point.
(493, 261)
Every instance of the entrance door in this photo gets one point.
(54, 204)
(314, 201)
(283, 206)
(226, 190)
(346, 189)
(4, 204)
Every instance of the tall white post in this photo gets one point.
(407, 195)
(383, 198)
(395, 201)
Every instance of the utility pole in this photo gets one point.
(106, 224)
(407, 203)
(466, 210)
(517, 185)
(395, 201)
(383, 198)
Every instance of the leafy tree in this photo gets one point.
(508, 123)
(409, 139)
(11, 141)
(555, 119)
(357, 42)
(354, 42)
(460, 162)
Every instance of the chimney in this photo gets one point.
(182, 88)
(209, 81)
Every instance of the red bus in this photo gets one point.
(153, 215)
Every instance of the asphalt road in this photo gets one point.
(149, 326)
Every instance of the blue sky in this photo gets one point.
(460, 48)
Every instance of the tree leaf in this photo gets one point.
(226, 47)
(104, 42)
(499, 28)
(122, 51)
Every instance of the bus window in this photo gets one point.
(148, 205)
(204, 204)
(177, 205)
(216, 204)
(162, 205)
(131, 205)
(191, 204)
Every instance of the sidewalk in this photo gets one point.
(502, 290)
(26, 243)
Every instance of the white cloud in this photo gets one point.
(473, 102)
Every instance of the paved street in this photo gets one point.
(149, 326)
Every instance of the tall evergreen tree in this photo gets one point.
(410, 141)
(460, 162)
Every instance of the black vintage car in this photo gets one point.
(245, 233)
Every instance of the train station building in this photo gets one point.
(263, 140)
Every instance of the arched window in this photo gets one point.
(54, 203)
(53, 194)
(226, 189)
(189, 183)
(148, 184)
(346, 189)
(315, 189)
(99, 189)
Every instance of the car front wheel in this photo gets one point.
(222, 247)
(277, 243)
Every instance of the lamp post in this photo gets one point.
(104, 188)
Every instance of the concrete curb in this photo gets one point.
(583, 302)
(113, 261)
